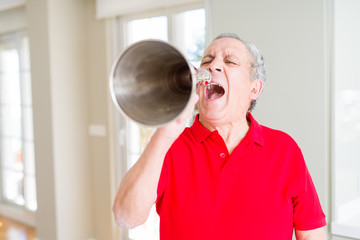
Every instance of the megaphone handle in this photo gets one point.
(202, 76)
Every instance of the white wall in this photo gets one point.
(13, 20)
(58, 46)
(98, 41)
(69, 87)
(43, 135)
(294, 39)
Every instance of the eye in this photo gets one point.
(230, 62)
(206, 62)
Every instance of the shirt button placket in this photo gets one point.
(222, 155)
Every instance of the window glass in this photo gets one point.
(10, 86)
(11, 121)
(17, 168)
(30, 193)
(194, 35)
(13, 186)
(12, 154)
(155, 28)
(346, 124)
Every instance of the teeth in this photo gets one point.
(209, 86)
(214, 90)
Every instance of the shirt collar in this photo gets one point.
(253, 135)
(199, 131)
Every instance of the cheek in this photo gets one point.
(238, 87)
(239, 93)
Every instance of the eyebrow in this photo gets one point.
(225, 56)
(208, 56)
(232, 56)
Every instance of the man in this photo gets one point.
(226, 177)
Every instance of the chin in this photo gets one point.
(212, 115)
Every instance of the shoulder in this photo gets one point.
(275, 135)
(267, 136)
(185, 140)
(186, 135)
(280, 143)
(285, 155)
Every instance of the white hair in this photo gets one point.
(257, 67)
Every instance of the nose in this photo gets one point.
(215, 67)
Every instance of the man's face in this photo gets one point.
(227, 60)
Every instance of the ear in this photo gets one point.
(256, 88)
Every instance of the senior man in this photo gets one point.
(225, 177)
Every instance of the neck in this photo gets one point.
(232, 132)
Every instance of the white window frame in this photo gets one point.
(7, 208)
(342, 212)
(168, 12)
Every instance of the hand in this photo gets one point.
(173, 129)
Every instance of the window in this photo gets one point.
(186, 31)
(346, 121)
(17, 162)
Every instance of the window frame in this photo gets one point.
(170, 13)
(9, 208)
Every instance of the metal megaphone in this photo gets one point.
(152, 82)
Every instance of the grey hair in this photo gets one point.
(257, 67)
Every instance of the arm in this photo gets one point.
(316, 234)
(138, 189)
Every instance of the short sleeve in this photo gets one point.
(308, 214)
(162, 181)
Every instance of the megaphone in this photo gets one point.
(151, 82)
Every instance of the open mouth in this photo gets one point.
(214, 91)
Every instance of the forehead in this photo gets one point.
(227, 46)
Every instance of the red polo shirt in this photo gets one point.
(261, 191)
